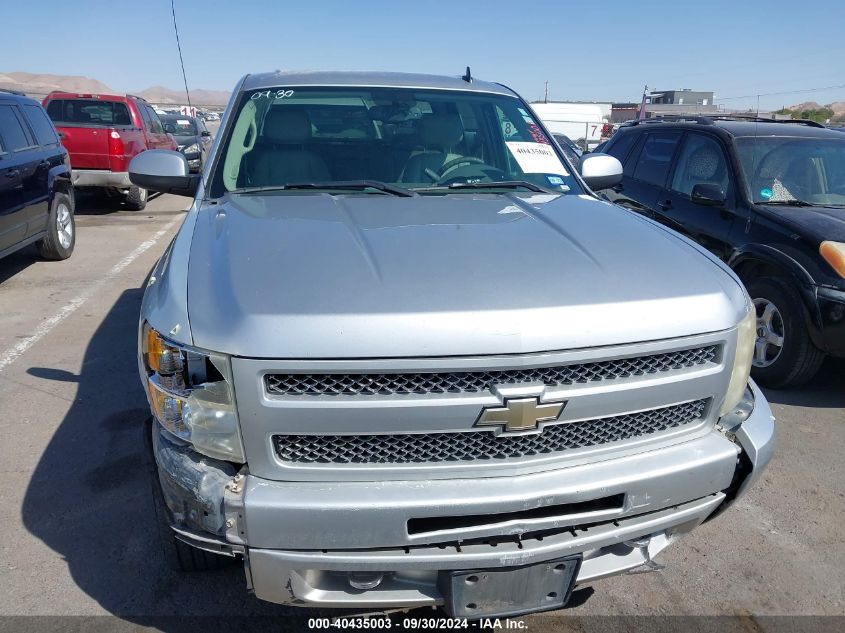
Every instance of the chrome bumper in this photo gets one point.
(300, 539)
(100, 178)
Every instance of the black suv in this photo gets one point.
(36, 194)
(768, 198)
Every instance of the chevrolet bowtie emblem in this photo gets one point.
(520, 414)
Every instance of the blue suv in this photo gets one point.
(36, 194)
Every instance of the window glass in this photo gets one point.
(44, 131)
(700, 161)
(631, 162)
(622, 147)
(655, 157)
(14, 136)
(121, 114)
(179, 125)
(784, 169)
(88, 112)
(145, 117)
(155, 123)
(424, 140)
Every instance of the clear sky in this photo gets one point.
(586, 50)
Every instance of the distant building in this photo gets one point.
(684, 102)
(681, 97)
(665, 102)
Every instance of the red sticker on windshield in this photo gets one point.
(537, 134)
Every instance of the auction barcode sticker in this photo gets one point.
(536, 158)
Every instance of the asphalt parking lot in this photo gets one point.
(77, 516)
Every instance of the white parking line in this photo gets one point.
(16, 351)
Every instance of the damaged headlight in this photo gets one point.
(191, 396)
(746, 337)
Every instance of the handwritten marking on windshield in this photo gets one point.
(272, 94)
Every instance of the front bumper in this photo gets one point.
(100, 178)
(300, 540)
(829, 334)
(194, 160)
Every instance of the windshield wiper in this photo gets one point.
(355, 185)
(503, 184)
(789, 203)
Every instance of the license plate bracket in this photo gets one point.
(509, 591)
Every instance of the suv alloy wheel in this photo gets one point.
(784, 355)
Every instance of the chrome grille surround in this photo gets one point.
(421, 383)
(417, 448)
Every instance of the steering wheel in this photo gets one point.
(450, 165)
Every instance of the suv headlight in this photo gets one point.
(193, 148)
(191, 396)
(746, 337)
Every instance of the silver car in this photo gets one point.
(399, 354)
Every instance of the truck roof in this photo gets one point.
(58, 94)
(370, 79)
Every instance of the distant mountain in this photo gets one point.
(838, 107)
(160, 94)
(38, 85)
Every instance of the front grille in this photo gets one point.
(480, 445)
(476, 381)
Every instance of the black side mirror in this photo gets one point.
(708, 194)
(205, 133)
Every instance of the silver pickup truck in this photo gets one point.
(399, 354)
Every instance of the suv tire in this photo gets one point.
(136, 198)
(798, 359)
(178, 555)
(61, 229)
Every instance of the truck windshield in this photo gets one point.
(426, 141)
(784, 170)
(179, 126)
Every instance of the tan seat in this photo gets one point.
(439, 134)
(280, 157)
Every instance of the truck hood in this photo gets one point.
(353, 276)
(822, 223)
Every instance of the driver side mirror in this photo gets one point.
(600, 171)
(708, 194)
(205, 133)
(163, 170)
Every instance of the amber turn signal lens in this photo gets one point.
(160, 357)
(834, 254)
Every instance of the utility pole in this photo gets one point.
(641, 114)
(546, 97)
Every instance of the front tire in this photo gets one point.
(61, 229)
(136, 198)
(784, 355)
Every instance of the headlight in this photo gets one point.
(191, 396)
(746, 337)
(193, 148)
(834, 254)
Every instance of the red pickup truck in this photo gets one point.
(102, 133)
